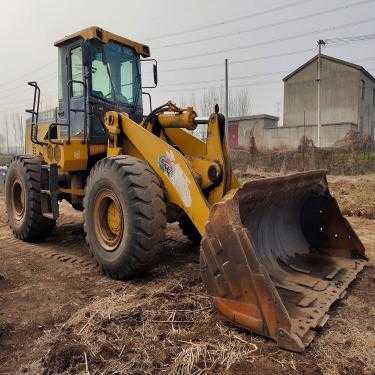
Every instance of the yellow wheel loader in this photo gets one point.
(275, 253)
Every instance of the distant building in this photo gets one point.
(347, 98)
(347, 104)
(242, 129)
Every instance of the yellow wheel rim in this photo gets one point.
(18, 199)
(114, 218)
(108, 220)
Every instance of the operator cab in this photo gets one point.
(98, 71)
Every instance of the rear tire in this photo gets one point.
(124, 216)
(23, 199)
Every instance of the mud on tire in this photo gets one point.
(23, 199)
(124, 216)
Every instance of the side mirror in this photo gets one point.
(154, 71)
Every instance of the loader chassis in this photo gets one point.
(275, 253)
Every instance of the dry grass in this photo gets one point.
(165, 324)
(347, 346)
(171, 328)
(5, 159)
(355, 196)
(335, 161)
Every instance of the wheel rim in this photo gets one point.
(18, 199)
(108, 220)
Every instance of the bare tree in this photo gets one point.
(7, 135)
(208, 100)
(2, 144)
(18, 132)
(239, 101)
(241, 104)
(193, 101)
(21, 133)
(14, 132)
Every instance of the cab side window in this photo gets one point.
(76, 65)
(127, 84)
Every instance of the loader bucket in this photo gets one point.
(277, 254)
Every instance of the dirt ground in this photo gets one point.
(59, 315)
(355, 196)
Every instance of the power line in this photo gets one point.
(245, 31)
(235, 78)
(199, 28)
(26, 74)
(239, 61)
(19, 107)
(259, 83)
(197, 67)
(350, 39)
(271, 41)
(230, 20)
(27, 92)
(43, 79)
(360, 61)
(267, 26)
(49, 92)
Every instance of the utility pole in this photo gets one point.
(226, 101)
(320, 44)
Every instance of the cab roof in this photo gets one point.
(95, 32)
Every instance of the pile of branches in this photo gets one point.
(355, 141)
(305, 144)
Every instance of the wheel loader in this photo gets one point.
(275, 254)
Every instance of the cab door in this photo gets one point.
(76, 91)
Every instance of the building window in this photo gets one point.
(362, 89)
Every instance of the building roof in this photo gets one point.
(334, 59)
(95, 32)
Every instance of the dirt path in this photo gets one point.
(54, 307)
(42, 285)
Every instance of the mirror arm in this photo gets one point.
(149, 98)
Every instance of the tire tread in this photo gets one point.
(147, 203)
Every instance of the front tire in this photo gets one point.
(23, 199)
(125, 216)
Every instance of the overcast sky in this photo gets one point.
(29, 28)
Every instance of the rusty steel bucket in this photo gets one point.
(277, 254)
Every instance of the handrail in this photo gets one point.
(35, 113)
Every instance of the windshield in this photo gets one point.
(115, 73)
